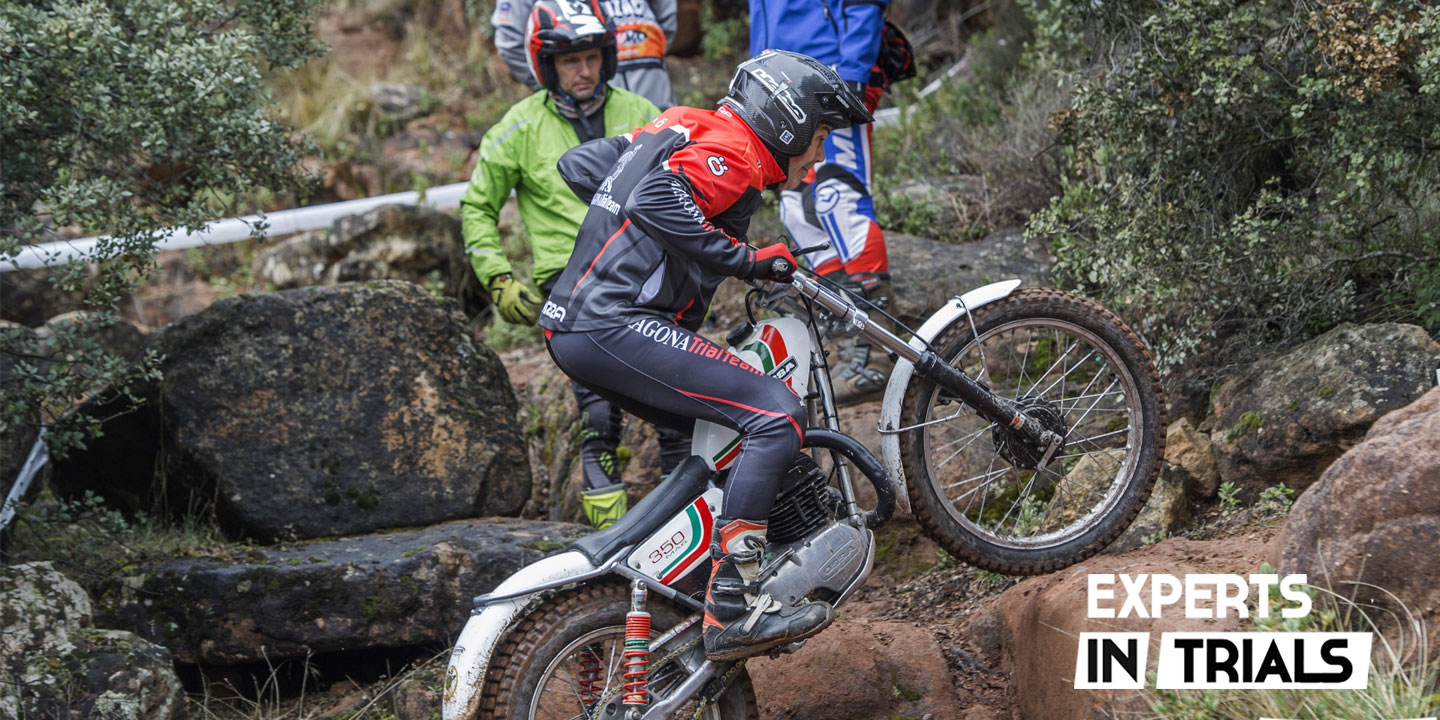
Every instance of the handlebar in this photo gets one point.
(854, 319)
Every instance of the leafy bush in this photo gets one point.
(990, 121)
(123, 118)
(1249, 170)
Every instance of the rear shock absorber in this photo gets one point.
(637, 648)
(590, 682)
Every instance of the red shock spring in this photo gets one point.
(637, 658)
(589, 677)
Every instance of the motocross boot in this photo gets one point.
(603, 506)
(740, 621)
(864, 371)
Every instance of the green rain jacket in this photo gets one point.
(519, 153)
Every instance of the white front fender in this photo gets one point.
(904, 369)
(471, 656)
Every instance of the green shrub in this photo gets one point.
(122, 119)
(1249, 170)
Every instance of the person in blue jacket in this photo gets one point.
(834, 204)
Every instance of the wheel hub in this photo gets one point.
(1011, 444)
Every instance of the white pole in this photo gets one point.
(283, 222)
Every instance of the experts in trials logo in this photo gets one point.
(1211, 660)
(717, 165)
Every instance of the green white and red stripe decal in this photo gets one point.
(683, 543)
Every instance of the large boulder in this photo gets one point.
(1032, 632)
(871, 669)
(926, 273)
(1368, 530)
(319, 412)
(56, 665)
(1286, 418)
(400, 589)
(391, 242)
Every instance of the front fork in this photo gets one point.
(932, 367)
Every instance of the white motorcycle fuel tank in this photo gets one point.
(778, 347)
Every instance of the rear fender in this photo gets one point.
(904, 371)
(465, 677)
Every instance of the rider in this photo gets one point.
(670, 207)
(572, 55)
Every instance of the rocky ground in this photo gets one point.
(338, 599)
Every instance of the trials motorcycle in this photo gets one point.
(1023, 428)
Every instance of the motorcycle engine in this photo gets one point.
(811, 553)
(804, 503)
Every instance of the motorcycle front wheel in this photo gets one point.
(996, 503)
(565, 661)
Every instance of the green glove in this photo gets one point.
(517, 303)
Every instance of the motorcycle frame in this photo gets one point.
(499, 610)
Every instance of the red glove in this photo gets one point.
(772, 262)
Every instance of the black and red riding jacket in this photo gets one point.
(670, 205)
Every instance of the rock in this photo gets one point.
(39, 610)
(1374, 518)
(1040, 620)
(399, 589)
(110, 674)
(871, 669)
(926, 273)
(1193, 456)
(399, 102)
(391, 242)
(300, 261)
(437, 146)
(345, 180)
(320, 412)
(946, 200)
(121, 337)
(28, 297)
(1165, 513)
(57, 666)
(1285, 419)
(1076, 492)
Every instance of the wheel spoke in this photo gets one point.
(974, 436)
(1093, 404)
(1093, 438)
(1019, 500)
(963, 438)
(1064, 375)
(1058, 361)
(982, 476)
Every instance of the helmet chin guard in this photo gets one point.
(560, 27)
(784, 96)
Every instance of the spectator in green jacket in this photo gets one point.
(572, 53)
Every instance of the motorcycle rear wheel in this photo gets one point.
(988, 499)
(534, 672)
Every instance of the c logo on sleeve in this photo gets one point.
(717, 165)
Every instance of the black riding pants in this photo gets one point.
(670, 376)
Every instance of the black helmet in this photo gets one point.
(783, 96)
(557, 27)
